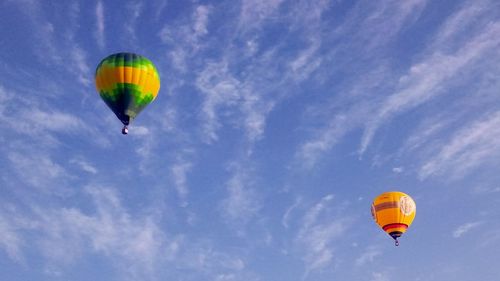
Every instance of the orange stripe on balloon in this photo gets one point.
(386, 205)
(394, 225)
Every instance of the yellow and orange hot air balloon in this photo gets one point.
(394, 212)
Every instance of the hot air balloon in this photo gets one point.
(127, 83)
(394, 212)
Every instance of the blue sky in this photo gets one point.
(276, 125)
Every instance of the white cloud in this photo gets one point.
(438, 68)
(464, 228)
(134, 10)
(368, 256)
(84, 165)
(372, 25)
(307, 60)
(203, 257)
(319, 230)
(368, 27)
(139, 131)
(485, 189)
(469, 16)
(126, 239)
(380, 276)
(286, 216)
(398, 170)
(253, 12)
(186, 38)
(428, 130)
(99, 33)
(470, 147)
(201, 20)
(427, 79)
(242, 202)
(80, 65)
(179, 173)
(64, 235)
(10, 241)
(44, 33)
(231, 101)
(221, 90)
(37, 169)
(311, 150)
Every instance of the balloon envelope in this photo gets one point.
(127, 83)
(394, 212)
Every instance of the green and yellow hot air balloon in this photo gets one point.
(394, 212)
(127, 83)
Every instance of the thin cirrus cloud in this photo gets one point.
(10, 241)
(179, 171)
(429, 78)
(222, 91)
(242, 201)
(124, 238)
(380, 276)
(38, 170)
(360, 29)
(227, 96)
(134, 10)
(468, 148)
(84, 165)
(185, 38)
(248, 98)
(99, 32)
(252, 12)
(315, 238)
(368, 256)
(464, 228)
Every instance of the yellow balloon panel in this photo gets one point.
(145, 79)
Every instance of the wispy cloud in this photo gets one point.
(134, 10)
(464, 228)
(10, 241)
(201, 20)
(204, 258)
(44, 32)
(319, 230)
(253, 12)
(81, 67)
(242, 202)
(62, 233)
(222, 90)
(111, 231)
(185, 38)
(179, 173)
(486, 190)
(310, 151)
(369, 27)
(438, 68)
(37, 169)
(468, 148)
(288, 212)
(469, 16)
(99, 32)
(84, 165)
(380, 276)
(427, 79)
(398, 170)
(368, 256)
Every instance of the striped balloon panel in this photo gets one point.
(394, 212)
(127, 83)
